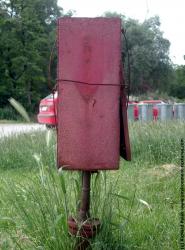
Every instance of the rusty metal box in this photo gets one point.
(89, 57)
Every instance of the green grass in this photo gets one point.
(138, 205)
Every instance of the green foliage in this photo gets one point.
(159, 139)
(27, 34)
(9, 113)
(178, 90)
(178, 87)
(151, 68)
(13, 152)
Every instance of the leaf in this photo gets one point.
(19, 108)
(48, 137)
(62, 181)
(37, 157)
(146, 204)
(120, 196)
(58, 219)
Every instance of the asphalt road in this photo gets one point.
(12, 129)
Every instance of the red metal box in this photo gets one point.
(89, 57)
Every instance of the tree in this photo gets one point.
(151, 68)
(177, 88)
(27, 33)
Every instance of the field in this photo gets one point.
(138, 205)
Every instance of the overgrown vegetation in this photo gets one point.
(138, 205)
(8, 113)
(177, 88)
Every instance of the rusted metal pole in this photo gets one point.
(85, 228)
(84, 213)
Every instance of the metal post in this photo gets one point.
(84, 226)
(84, 213)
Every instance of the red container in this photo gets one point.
(89, 56)
(155, 113)
(136, 112)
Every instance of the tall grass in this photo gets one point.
(157, 142)
(17, 151)
(41, 207)
(39, 212)
(137, 205)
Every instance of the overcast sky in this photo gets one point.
(171, 13)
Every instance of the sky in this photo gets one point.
(171, 13)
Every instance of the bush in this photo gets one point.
(178, 91)
(9, 113)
